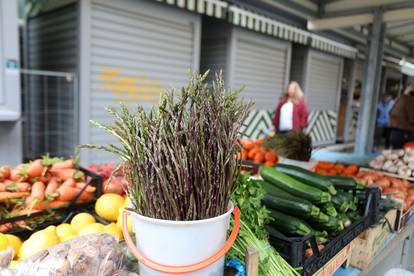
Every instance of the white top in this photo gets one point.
(286, 116)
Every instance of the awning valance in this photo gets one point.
(259, 23)
(214, 8)
(331, 46)
(252, 20)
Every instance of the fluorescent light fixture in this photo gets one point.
(407, 67)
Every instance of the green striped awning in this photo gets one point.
(214, 8)
(259, 23)
(252, 20)
(331, 46)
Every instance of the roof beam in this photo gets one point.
(346, 5)
(291, 8)
(307, 4)
(340, 22)
(398, 15)
(359, 19)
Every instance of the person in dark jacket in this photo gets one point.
(291, 113)
(402, 119)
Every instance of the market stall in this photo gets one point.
(261, 206)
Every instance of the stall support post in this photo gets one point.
(252, 262)
(368, 113)
(349, 99)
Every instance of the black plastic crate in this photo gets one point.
(293, 248)
(59, 214)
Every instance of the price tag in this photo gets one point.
(330, 267)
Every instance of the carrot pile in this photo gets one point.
(254, 151)
(41, 184)
(339, 169)
(397, 187)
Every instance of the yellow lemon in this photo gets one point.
(80, 221)
(15, 242)
(119, 222)
(127, 202)
(4, 242)
(93, 228)
(13, 264)
(51, 229)
(68, 237)
(107, 206)
(41, 240)
(113, 230)
(63, 230)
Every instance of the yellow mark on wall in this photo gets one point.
(127, 88)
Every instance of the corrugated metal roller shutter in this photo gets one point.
(323, 81)
(261, 64)
(214, 48)
(138, 49)
(50, 107)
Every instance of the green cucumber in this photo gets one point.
(340, 202)
(329, 209)
(333, 225)
(345, 219)
(354, 216)
(294, 186)
(274, 232)
(307, 177)
(321, 218)
(322, 234)
(290, 225)
(289, 204)
(345, 183)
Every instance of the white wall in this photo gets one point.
(10, 126)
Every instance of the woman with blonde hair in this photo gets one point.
(402, 119)
(291, 113)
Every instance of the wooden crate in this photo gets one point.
(368, 243)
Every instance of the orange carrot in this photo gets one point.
(5, 227)
(51, 188)
(19, 186)
(14, 175)
(351, 169)
(51, 205)
(89, 189)
(270, 156)
(53, 178)
(44, 179)
(65, 174)
(35, 168)
(69, 183)
(247, 144)
(25, 212)
(85, 196)
(5, 172)
(38, 193)
(324, 165)
(252, 153)
(10, 195)
(67, 164)
(67, 193)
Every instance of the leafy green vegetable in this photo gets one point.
(270, 262)
(247, 196)
(252, 234)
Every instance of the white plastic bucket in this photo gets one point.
(181, 243)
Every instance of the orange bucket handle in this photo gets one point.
(181, 269)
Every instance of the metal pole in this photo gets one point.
(350, 98)
(369, 99)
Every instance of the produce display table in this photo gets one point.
(391, 255)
